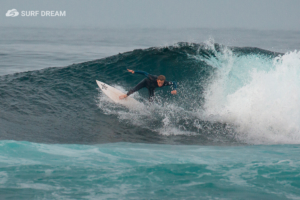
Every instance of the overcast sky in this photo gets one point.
(250, 14)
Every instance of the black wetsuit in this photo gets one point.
(150, 83)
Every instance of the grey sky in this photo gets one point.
(251, 14)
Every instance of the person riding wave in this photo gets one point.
(150, 82)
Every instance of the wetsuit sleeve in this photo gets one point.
(150, 76)
(137, 87)
(142, 72)
(173, 83)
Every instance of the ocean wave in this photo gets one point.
(226, 95)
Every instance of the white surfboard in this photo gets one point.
(114, 94)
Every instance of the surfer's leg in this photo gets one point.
(137, 87)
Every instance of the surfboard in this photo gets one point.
(114, 94)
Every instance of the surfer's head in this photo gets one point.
(160, 80)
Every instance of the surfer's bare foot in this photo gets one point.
(123, 96)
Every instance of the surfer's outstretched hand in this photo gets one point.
(123, 96)
(130, 71)
(174, 92)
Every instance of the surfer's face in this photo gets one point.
(160, 83)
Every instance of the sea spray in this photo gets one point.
(259, 96)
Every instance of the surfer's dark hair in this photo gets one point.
(161, 78)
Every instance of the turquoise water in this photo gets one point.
(148, 171)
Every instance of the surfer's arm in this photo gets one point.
(150, 76)
(173, 84)
(142, 72)
(138, 72)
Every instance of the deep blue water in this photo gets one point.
(231, 132)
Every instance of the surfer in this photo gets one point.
(151, 82)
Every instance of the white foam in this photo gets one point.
(156, 117)
(260, 96)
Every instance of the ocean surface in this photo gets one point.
(231, 132)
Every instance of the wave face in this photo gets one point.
(226, 95)
(148, 171)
